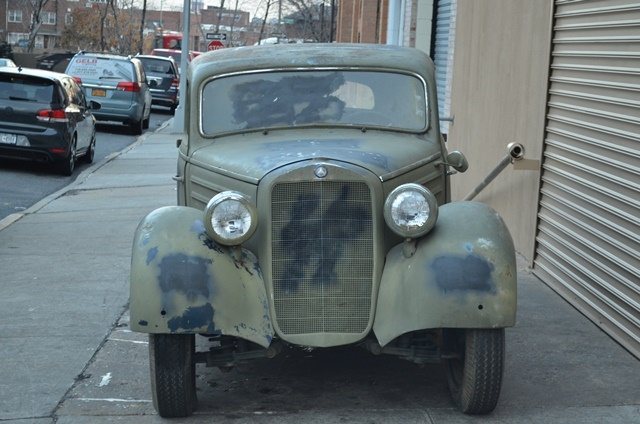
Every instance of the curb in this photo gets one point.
(81, 178)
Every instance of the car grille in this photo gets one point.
(322, 256)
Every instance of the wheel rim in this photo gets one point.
(72, 156)
(92, 147)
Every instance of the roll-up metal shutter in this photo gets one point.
(588, 241)
(443, 55)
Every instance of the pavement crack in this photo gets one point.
(83, 375)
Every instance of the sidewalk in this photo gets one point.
(65, 274)
(64, 283)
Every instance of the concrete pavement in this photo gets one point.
(66, 355)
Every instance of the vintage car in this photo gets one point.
(314, 211)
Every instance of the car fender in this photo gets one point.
(461, 275)
(183, 282)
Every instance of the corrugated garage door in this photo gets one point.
(589, 220)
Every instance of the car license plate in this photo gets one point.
(98, 92)
(7, 138)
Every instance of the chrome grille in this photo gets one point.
(322, 256)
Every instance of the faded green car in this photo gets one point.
(314, 211)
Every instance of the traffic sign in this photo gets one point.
(215, 45)
(216, 36)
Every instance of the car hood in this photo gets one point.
(249, 157)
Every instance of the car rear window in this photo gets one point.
(157, 65)
(25, 88)
(91, 68)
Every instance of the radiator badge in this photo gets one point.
(321, 171)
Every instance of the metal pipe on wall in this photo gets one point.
(515, 152)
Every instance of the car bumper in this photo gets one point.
(132, 114)
(50, 146)
(164, 98)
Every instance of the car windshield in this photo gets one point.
(25, 88)
(300, 98)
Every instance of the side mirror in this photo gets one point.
(152, 83)
(93, 105)
(457, 161)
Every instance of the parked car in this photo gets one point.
(7, 62)
(54, 61)
(119, 83)
(314, 212)
(44, 116)
(164, 80)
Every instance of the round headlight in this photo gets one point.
(411, 210)
(229, 218)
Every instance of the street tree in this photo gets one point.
(309, 20)
(35, 9)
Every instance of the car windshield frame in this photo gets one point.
(330, 81)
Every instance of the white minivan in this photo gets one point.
(118, 83)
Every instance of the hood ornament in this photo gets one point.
(321, 171)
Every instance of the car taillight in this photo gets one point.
(52, 115)
(78, 80)
(175, 83)
(128, 86)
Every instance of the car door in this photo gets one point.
(82, 114)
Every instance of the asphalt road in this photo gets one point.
(25, 183)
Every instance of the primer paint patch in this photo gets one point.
(193, 318)
(463, 273)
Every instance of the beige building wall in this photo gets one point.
(498, 95)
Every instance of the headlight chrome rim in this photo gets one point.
(217, 201)
(416, 232)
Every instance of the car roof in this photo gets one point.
(57, 76)
(310, 55)
(154, 57)
(103, 55)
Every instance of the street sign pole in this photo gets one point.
(179, 116)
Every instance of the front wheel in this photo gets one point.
(173, 374)
(66, 166)
(91, 150)
(475, 375)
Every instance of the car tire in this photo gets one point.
(91, 150)
(145, 123)
(137, 127)
(475, 374)
(67, 166)
(173, 374)
(172, 109)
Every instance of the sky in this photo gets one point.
(252, 6)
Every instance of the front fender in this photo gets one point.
(183, 282)
(462, 275)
